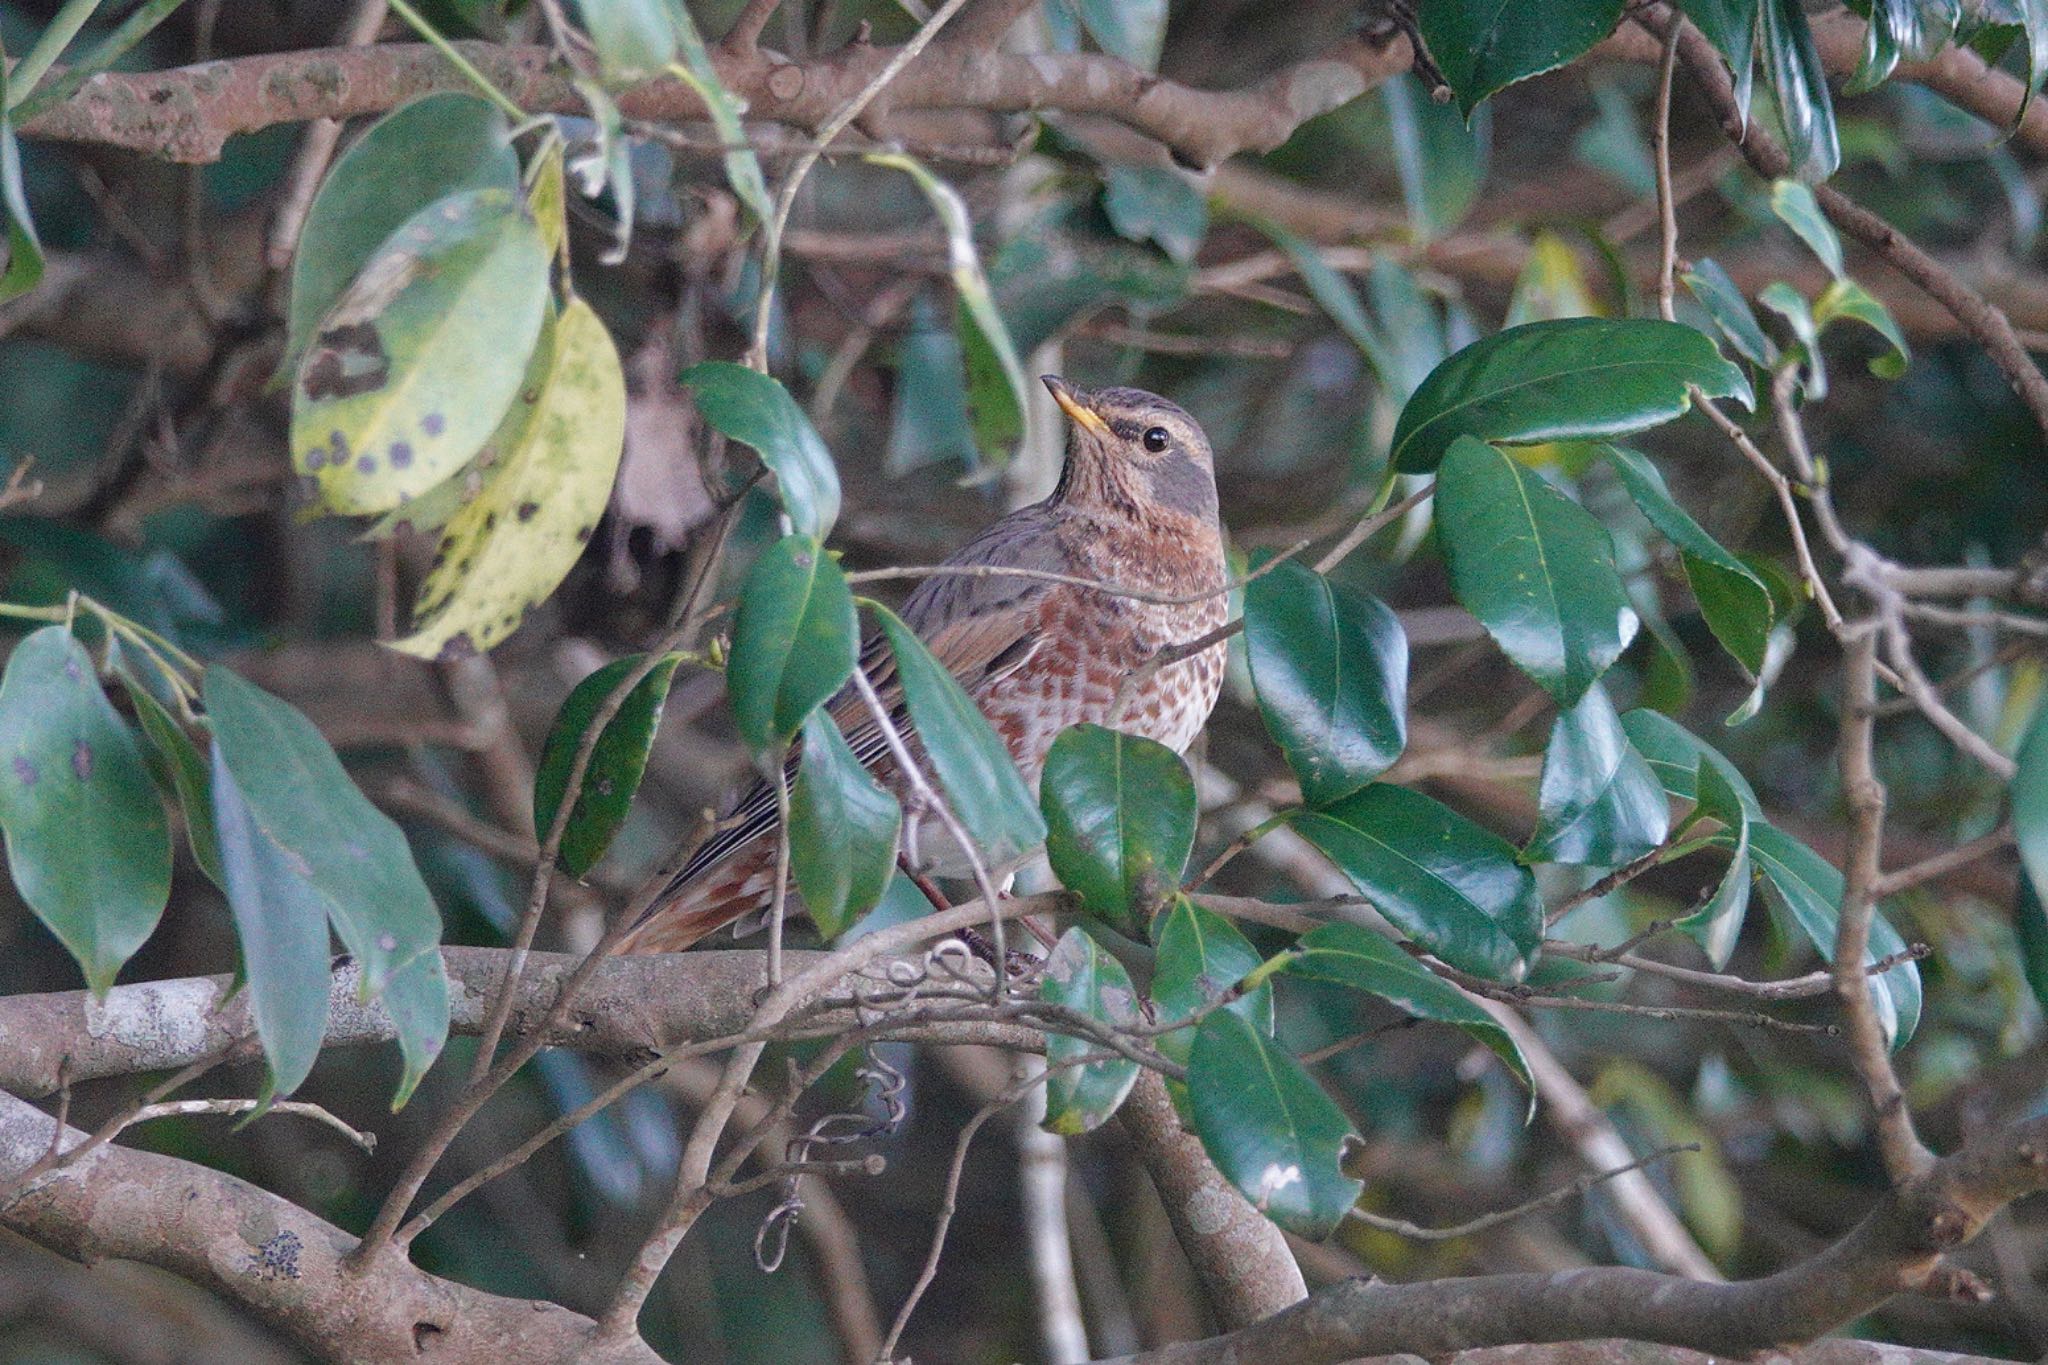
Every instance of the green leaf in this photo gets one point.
(185, 766)
(509, 547)
(1799, 83)
(1200, 956)
(843, 826)
(1734, 601)
(1730, 25)
(1157, 204)
(411, 368)
(1534, 567)
(1452, 886)
(980, 781)
(1080, 976)
(996, 391)
(1563, 380)
(794, 642)
(928, 423)
(1598, 801)
(416, 997)
(1799, 210)
(1809, 890)
(1120, 820)
(1789, 304)
(1731, 313)
(1134, 30)
(2030, 803)
(1717, 924)
(1354, 956)
(281, 921)
(87, 842)
(1910, 29)
(437, 145)
(1330, 668)
(635, 39)
(1065, 263)
(23, 267)
(2030, 930)
(1676, 756)
(1269, 1127)
(1482, 46)
(1848, 300)
(348, 854)
(742, 166)
(1334, 294)
(753, 409)
(617, 759)
(1441, 159)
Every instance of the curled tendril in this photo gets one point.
(886, 1086)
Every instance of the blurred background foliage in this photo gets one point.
(139, 394)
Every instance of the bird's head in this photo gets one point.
(1135, 451)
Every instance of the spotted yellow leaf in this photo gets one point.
(556, 454)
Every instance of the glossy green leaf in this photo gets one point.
(437, 145)
(981, 783)
(1352, 955)
(1269, 1127)
(87, 842)
(281, 922)
(1850, 301)
(408, 373)
(1134, 30)
(1799, 83)
(1734, 601)
(1731, 313)
(185, 766)
(1912, 30)
(1598, 802)
(2030, 803)
(755, 410)
(1330, 668)
(1534, 567)
(1441, 158)
(742, 166)
(508, 548)
(1482, 46)
(996, 391)
(1809, 890)
(635, 39)
(794, 641)
(1717, 924)
(1568, 379)
(1080, 976)
(928, 421)
(843, 826)
(617, 759)
(1676, 755)
(2030, 932)
(1789, 304)
(1799, 210)
(1335, 295)
(1200, 956)
(1449, 884)
(1157, 204)
(1730, 25)
(22, 269)
(1120, 821)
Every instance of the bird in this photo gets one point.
(1135, 509)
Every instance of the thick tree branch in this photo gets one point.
(186, 114)
(632, 1007)
(273, 1258)
(1896, 1249)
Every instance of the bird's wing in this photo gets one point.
(980, 628)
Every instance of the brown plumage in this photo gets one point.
(1135, 507)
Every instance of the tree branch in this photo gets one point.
(1897, 1248)
(187, 113)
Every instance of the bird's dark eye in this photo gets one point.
(1156, 439)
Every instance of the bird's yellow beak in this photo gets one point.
(1074, 403)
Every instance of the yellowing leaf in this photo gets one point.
(557, 454)
(410, 369)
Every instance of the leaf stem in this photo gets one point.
(111, 49)
(505, 102)
(31, 68)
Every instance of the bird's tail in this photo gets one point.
(696, 906)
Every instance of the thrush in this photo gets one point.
(1134, 511)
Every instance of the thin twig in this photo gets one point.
(1667, 209)
(1588, 1181)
